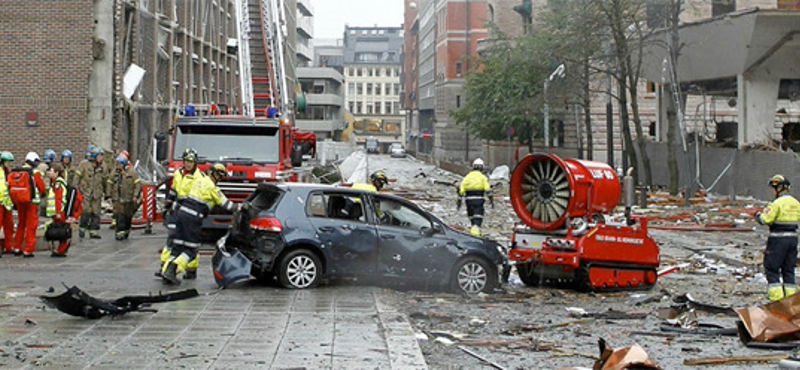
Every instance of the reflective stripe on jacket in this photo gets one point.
(474, 181)
(781, 215)
(57, 198)
(206, 191)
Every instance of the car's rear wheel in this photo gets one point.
(300, 269)
(474, 275)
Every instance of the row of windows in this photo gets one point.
(387, 107)
(372, 72)
(369, 88)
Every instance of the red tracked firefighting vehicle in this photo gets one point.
(569, 232)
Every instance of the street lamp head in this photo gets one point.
(559, 72)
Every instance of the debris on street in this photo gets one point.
(774, 322)
(633, 357)
(78, 303)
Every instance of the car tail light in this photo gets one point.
(270, 224)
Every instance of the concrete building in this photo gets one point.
(305, 33)
(372, 63)
(425, 94)
(329, 53)
(324, 102)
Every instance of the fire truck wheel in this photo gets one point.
(474, 275)
(300, 269)
(527, 274)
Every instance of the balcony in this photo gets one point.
(305, 8)
(320, 125)
(324, 99)
(305, 26)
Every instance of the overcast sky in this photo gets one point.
(330, 16)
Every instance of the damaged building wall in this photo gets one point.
(182, 46)
(46, 59)
(730, 171)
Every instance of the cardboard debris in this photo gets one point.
(633, 357)
(776, 321)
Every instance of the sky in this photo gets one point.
(330, 16)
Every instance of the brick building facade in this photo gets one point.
(46, 58)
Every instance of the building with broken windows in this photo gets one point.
(115, 72)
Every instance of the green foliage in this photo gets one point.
(503, 92)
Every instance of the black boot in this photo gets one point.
(190, 275)
(160, 268)
(170, 276)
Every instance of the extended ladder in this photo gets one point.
(261, 34)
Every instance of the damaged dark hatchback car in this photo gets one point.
(299, 234)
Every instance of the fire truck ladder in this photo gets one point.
(264, 49)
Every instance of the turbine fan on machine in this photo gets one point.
(546, 191)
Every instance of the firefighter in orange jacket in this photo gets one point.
(6, 215)
(57, 204)
(27, 212)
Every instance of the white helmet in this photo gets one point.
(31, 157)
(477, 163)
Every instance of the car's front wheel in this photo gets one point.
(474, 275)
(300, 269)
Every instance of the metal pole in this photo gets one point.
(546, 120)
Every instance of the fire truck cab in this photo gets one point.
(252, 149)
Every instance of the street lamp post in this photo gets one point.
(558, 73)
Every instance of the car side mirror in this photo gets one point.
(426, 231)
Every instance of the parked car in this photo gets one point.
(397, 150)
(372, 145)
(301, 233)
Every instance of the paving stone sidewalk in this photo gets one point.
(246, 327)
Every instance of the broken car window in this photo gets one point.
(395, 213)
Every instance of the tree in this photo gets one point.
(499, 92)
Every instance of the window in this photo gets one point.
(388, 107)
(369, 88)
(339, 206)
(351, 88)
(359, 88)
(358, 72)
(458, 69)
(370, 108)
(458, 101)
(394, 213)
(358, 108)
(350, 106)
(350, 72)
(371, 72)
(722, 7)
(378, 89)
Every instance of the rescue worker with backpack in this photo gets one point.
(782, 215)
(6, 215)
(90, 178)
(59, 208)
(189, 215)
(26, 188)
(474, 188)
(126, 190)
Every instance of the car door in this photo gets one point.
(409, 245)
(341, 227)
